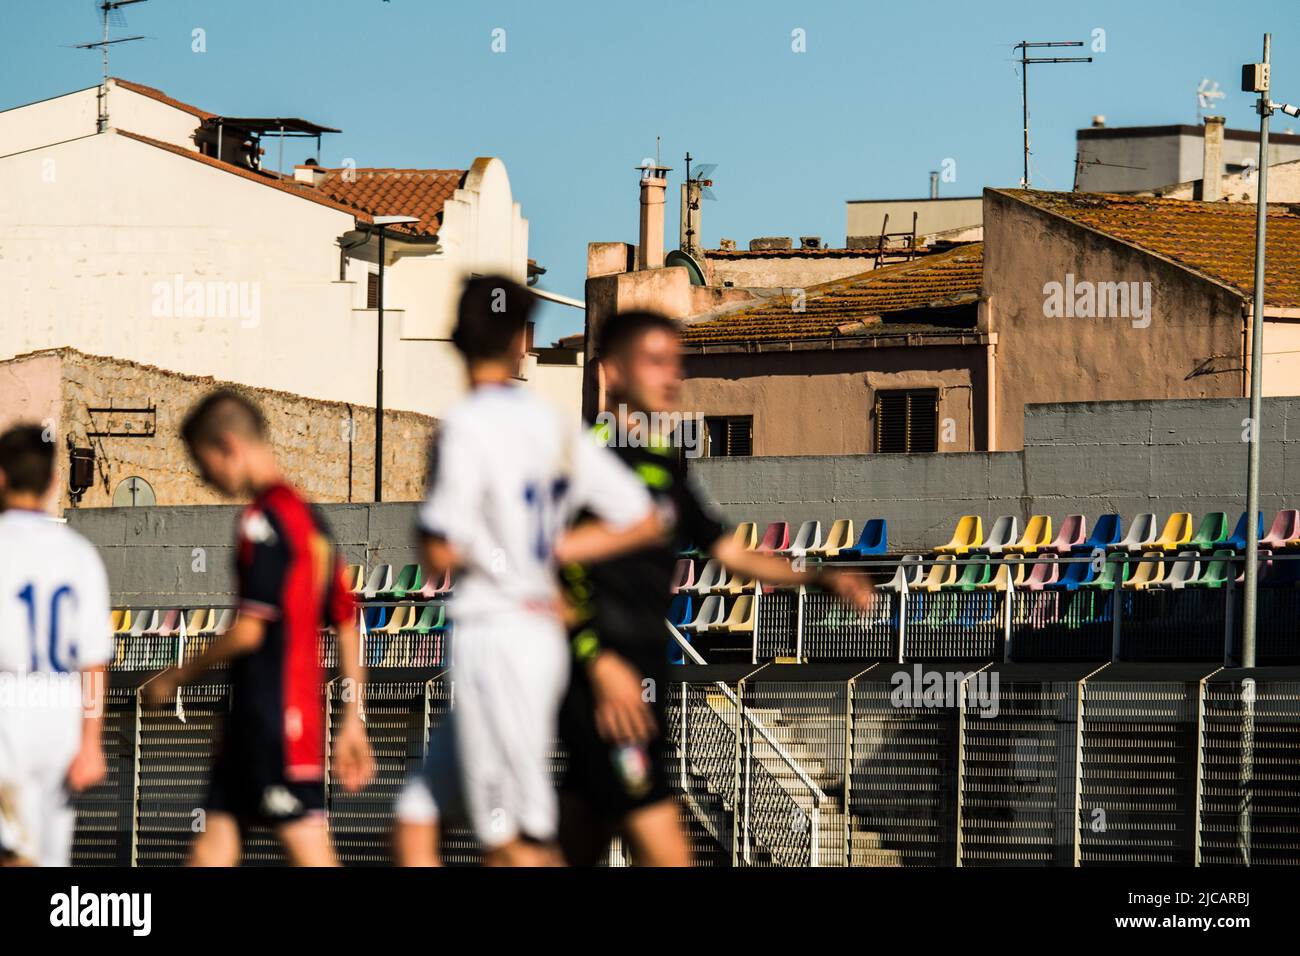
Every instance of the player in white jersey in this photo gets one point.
(55, 640)
(508, 474)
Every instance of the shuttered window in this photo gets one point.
(730, 435)
(907, 422)
(372, 290)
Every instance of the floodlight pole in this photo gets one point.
(1024, 46)
(379, 380)
(1248, 617)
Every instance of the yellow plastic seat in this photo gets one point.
(402, 618)
(740, 620)
(1176, 533)
(1038, 535)
(1010, 570)
(942, 573)
(354, 576)
(120, 619)
(736, 584)
(839, 537)
(1148, 573)
(747, 535)
(968, 534)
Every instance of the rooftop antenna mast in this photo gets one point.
(1024, 46)
(696, 187)
(110, 12)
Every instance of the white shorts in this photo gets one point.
(489, 763)
(36, 819)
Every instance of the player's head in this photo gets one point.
(26, 465)
(492, 322)
(226, 436)
(640, 355)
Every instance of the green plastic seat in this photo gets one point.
(1217, 571)
(409, 580)
(979, 571)
(425, 622)
(1111, 573)
(1211, 533)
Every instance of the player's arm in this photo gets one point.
(625, 518)
(856, 589)
(353, 762)
(594, 541)
(244, 637)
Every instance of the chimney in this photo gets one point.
(309, 174)
(934, 184)
(650, 250)
(1212, 172)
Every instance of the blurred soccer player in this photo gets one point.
(508, 473)
(616, 780)
(270, 769)
(55, 639)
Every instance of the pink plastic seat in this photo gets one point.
(776, 537)
(1045, 572)
(1286, 528)
(1074, 531)
(435, 589)
(683, 574)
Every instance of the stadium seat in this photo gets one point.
(712, 576)
(1045, 571)
(740, 620)
(1237, 540)
(712, 611)
(141, 619)
(121, 620)
(874, 540)
(1010, 572)
(1263, 567)
(909, 568)
(969, 533)
(1176, 533)
(746, 535)
(402, 619)
(1106, 533)
(679, 611)
(381, 582)
(1141, 533)
(1074, 531)
(1116, 568)
(978, 571)
(225, 618)
(194, 621)
(1077, 574)
(1183, 571)
(808, 539)
(169, 623)
(1150, 570)
(436, 588)
(837, 539)
(1218, 570)
(354, 575)
(1285, 529)
(408, 583)
(1212, 531)
(776, 538)
(736, 583)
(1002, 534)
(683, 574)
(1036, 536)
(375, 618)
(942, 573)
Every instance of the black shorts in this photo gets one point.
(254, 794)
(609, 780)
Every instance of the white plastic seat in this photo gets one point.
(909, 568)
(711, 577)
(1141, 533)
(808, 538)
(381, 580)
(712, 611)
(1002, 535)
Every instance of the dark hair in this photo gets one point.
(27, 459)
(620, 332)
(220, 413)
(493, 310)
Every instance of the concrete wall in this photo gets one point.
(1089, 458)
(1191, 347)
(326, 448)
(1139, 159)
(867, 216)
(766, 272)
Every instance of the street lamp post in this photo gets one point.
(380, 222)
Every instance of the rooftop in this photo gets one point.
(1216, 240)
(859, 305)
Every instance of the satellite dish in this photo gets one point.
(678, 258)
(134, 492)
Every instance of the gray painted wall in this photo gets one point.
(1182, 455)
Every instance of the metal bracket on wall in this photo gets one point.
(147, 418)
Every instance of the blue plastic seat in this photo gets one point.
(1106, 533)
(1237, 540)
(1076, 574)
(873, 540)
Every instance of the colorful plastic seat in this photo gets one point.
(1036, 536)
(968, 534)
(746, 535)
(1185, 570)
(683, 574)
(408, 582)
(354, 576)
(837, 539)
(808, 539)
(1218, 571)
(943, 573)
(1237, 540)
(978, 571)
(381, 581)
(1150, 570)
(873, 540)
(740, 620)
(776, 538)
(909, 568)
(1285, 532)
(1074, 532)
(1177, 532)
(712, 611)
(1141, 533)
(712, 576)
(1045, 571)
(1212, 532)
(1115, 569)
(1106, 534)
(1077, 574)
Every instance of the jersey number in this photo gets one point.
(543, 514)
(59, 659)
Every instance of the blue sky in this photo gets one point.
(885, 92)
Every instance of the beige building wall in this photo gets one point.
(1192, 347)
(764, 272)
(933, 216)
(76, 114)
(822, 402)
(326, 448)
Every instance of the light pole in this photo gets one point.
(1255, 79)
(380, 222)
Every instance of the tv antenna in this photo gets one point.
(1024, 46)
(698, 186)
(111, 13)
(1206, 94)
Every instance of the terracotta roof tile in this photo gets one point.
(855, 305)
(396, 192)
(1214, 239)
(162, 97)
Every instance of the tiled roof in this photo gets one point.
(266, 179)
(395, 192)
(162, 97)
(1216, 240)
(841, 307)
